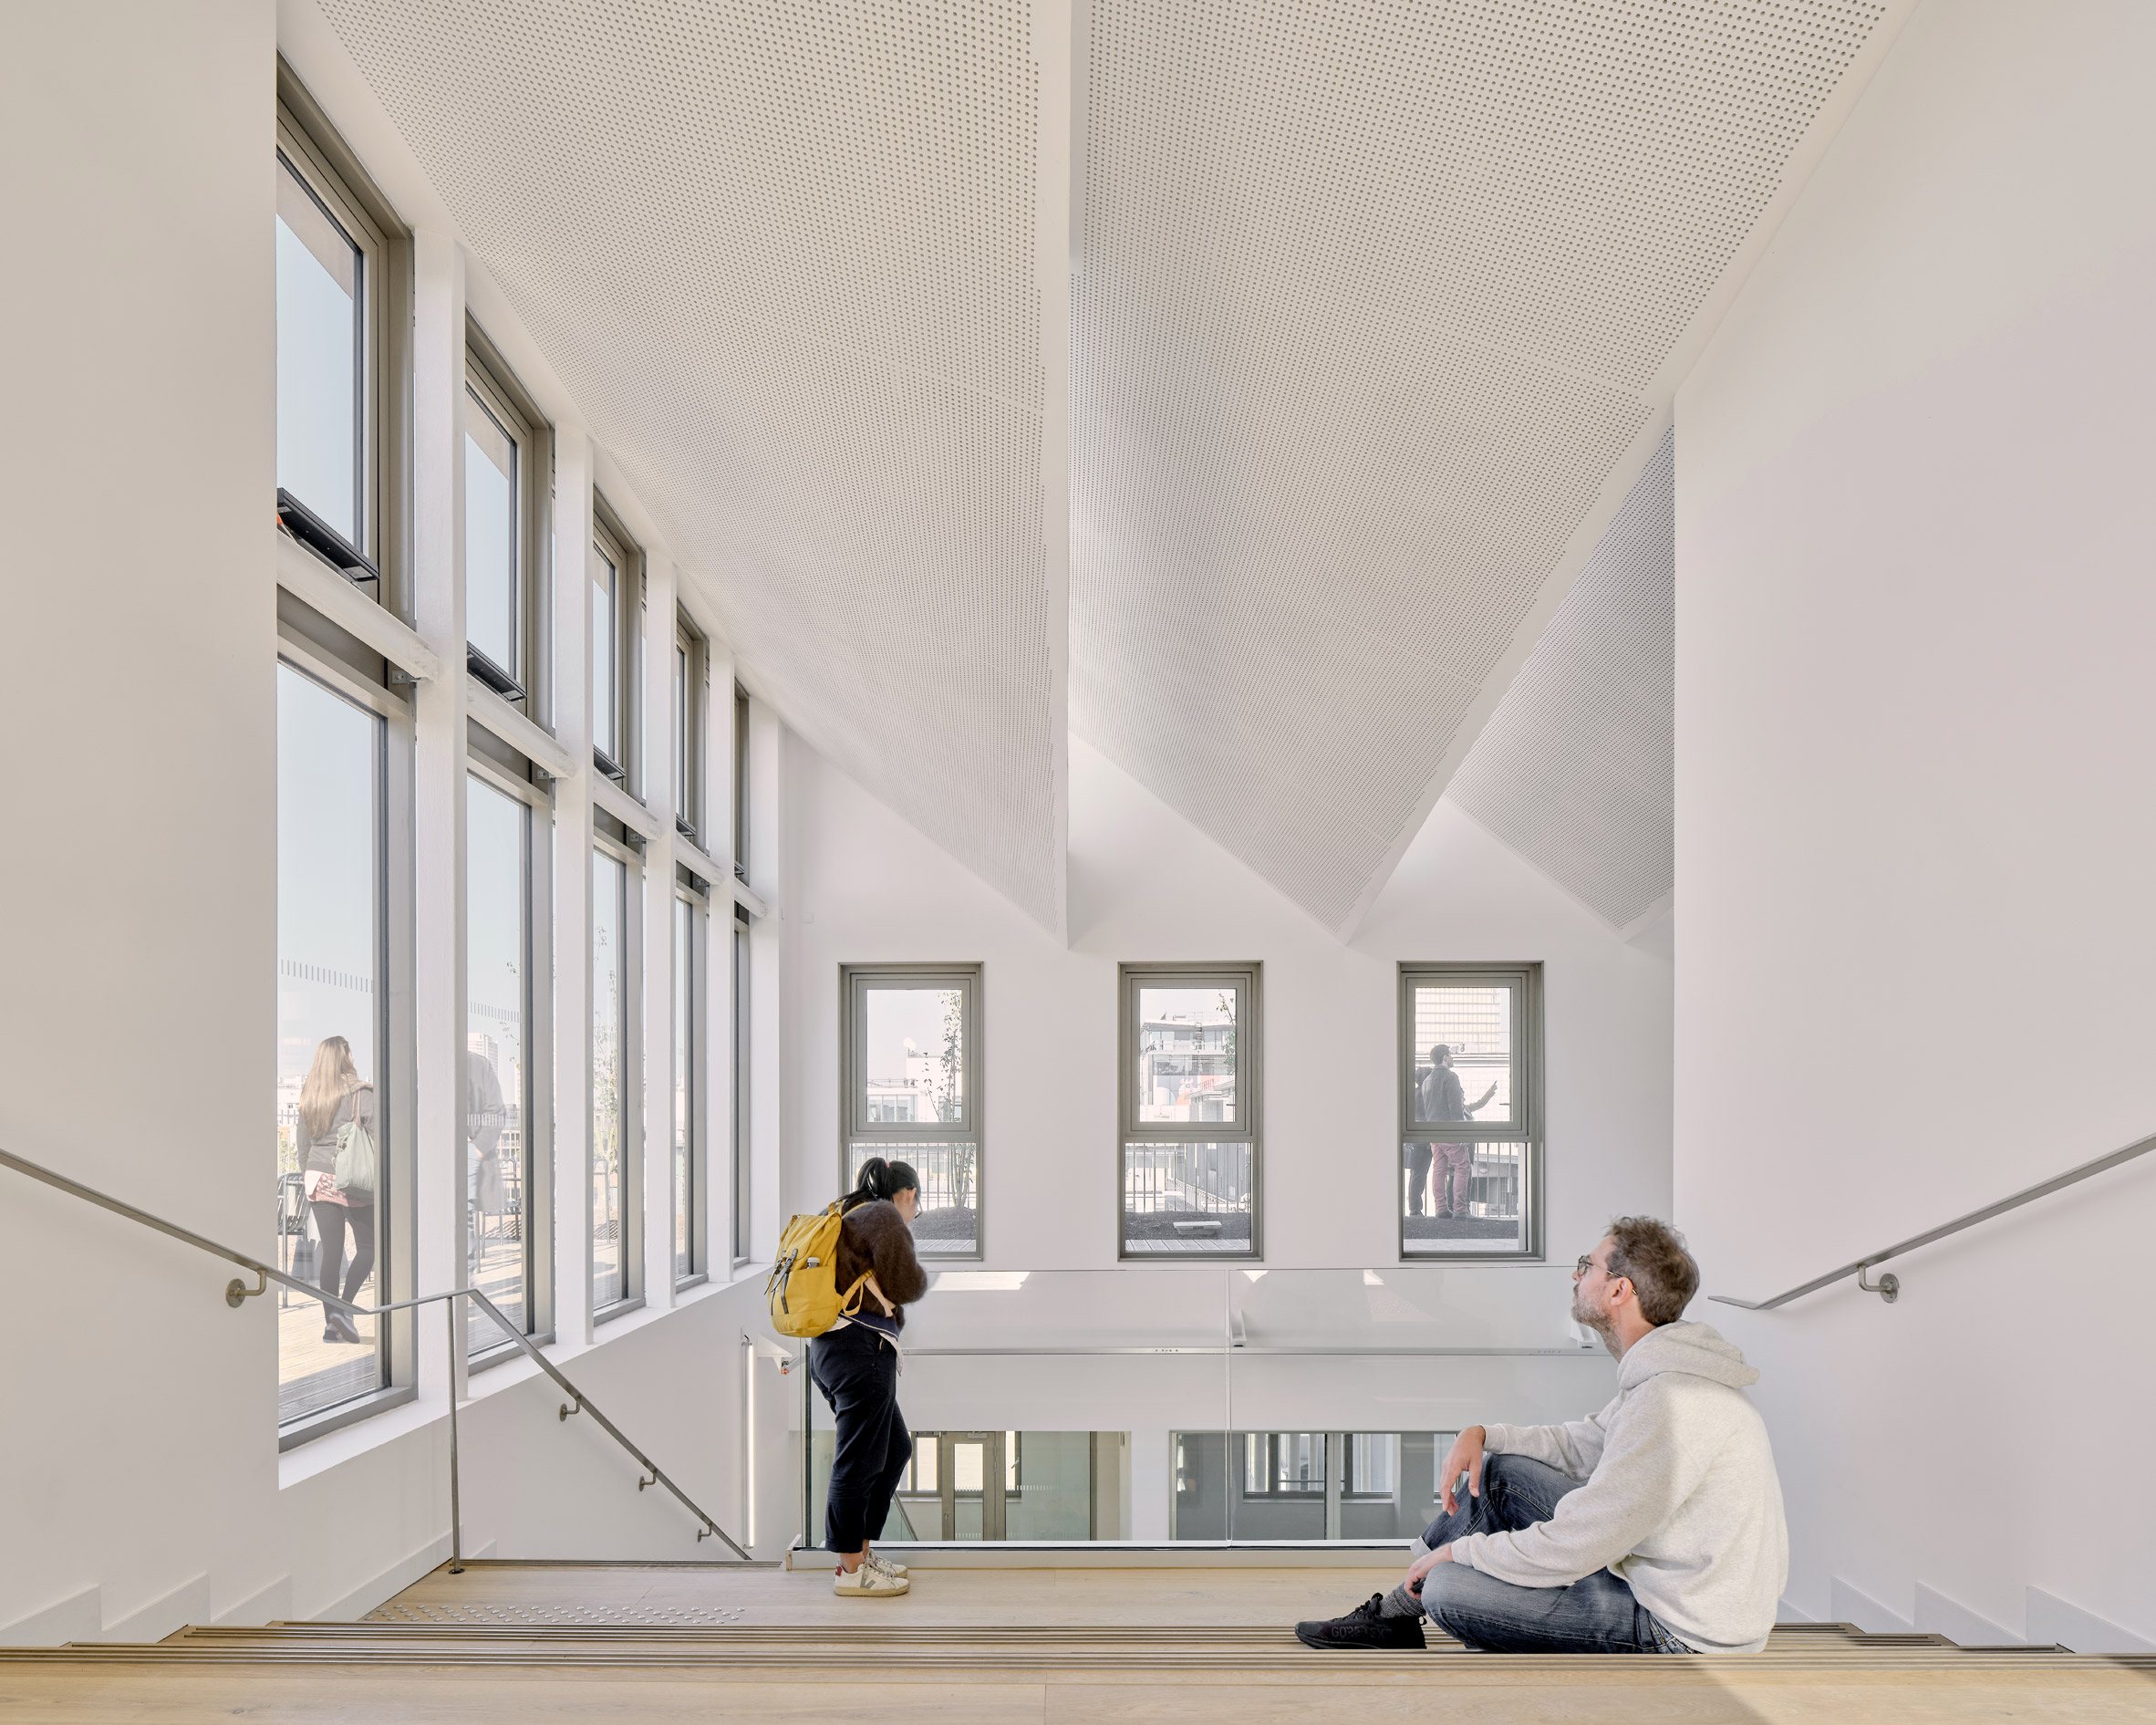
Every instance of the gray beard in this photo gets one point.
(1599, 1321)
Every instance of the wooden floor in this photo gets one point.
(513, 1643)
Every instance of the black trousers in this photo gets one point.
(1418, 1176)
(857, 1370)
(330, 1223)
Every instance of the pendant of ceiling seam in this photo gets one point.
(1369, 304)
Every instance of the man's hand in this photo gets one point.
(1423, 1565)
(1464, 1457)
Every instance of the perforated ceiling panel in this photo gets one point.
(783, 253)
(1370, 303)
(1576, 768)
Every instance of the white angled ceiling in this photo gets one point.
(1370, 305)
(1576, 769)
(783, 253)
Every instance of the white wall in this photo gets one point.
(863, 886)
(1916, 638)
(137, 898)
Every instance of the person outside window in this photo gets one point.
(1440, 1097)
(1653, 1526)
(334, 1096)
(855, 1364)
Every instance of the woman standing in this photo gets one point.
(333, 1097)
(855, 1364)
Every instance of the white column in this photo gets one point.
(657, 649)
(438, 792)
(572, 888)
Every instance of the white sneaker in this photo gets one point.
(868, 1582)
(886, 1564)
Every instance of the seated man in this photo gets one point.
(1655, 1526)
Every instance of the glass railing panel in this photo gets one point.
(1068, 1311)
(1414, 1306)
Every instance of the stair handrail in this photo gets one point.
(237, 1293)
(1889, 1287)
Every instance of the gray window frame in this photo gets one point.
(855, 981)
(740, 1156)
(493, 388)
(1249, 978)
(692, 667)
(629, 1032)
(691, 892)
(307, 141)
(1525, 980)
(611, 540)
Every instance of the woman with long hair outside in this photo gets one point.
(333, 1097)
(855, 1364)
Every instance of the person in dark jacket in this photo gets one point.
(855, 1364)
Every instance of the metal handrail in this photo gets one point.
(1888, 1287)
(237, 1293)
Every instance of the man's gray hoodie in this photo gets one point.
(1680, 1497)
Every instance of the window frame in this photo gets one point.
(610, 536)
(691, 894)
(692, 667)
(1526, 1129)
(629, 1032)
(740, 784)
(488, 764)
(1248, 977)
(740, 1158)
(306, 651)
(309, 144)
(493, 388)
(856, 982)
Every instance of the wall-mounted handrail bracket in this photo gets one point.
(1888, 1287)
(237, 1290)
(567, 1410)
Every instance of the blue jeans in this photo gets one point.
(1596, 1613)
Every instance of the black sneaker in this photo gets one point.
(1365, 1627)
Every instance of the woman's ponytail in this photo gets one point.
(879, 1179)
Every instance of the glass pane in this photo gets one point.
(1187, 1198)
(318, 324)
(913, 1049)
(497, 1155)
(682, 806)
(605, 646)
(949, 1219)
(1462, 1054)
(609, 890)
(1464, 1198)
(741, 1093)
(1185, 1054)
(490, 535)
(330, 1019)
(684, 1080)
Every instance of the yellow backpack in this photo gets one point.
(803, 1285)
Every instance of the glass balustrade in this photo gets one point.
(1209, 1403)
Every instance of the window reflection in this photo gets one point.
(489, 537)
(319, 301)
(331, 1143)
(609, 891)
(497, 1149)
(685, 1097)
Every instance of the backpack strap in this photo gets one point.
(851, 1304)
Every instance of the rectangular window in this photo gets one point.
(504, 527)
(1190, 1046)
(740, 782)
(617, 1193)
(333, 1112)
(617, 608)
(690, 686)
(343, 310)
(688, 939)
(910, 1065)
(497, 1088)
(742, 1138)
(1470, 1111)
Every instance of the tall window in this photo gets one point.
(1190, 1046)
(740, 781)
(1470, 1111)
(742, 1139)
(690, 686)
(333, 1113)
(689, 917)
(497, 1079)
(911, 1066)
(616, 607)
(616, 1195)
(502, 490)
(340, 305)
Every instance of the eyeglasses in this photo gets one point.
(1585, 1261)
